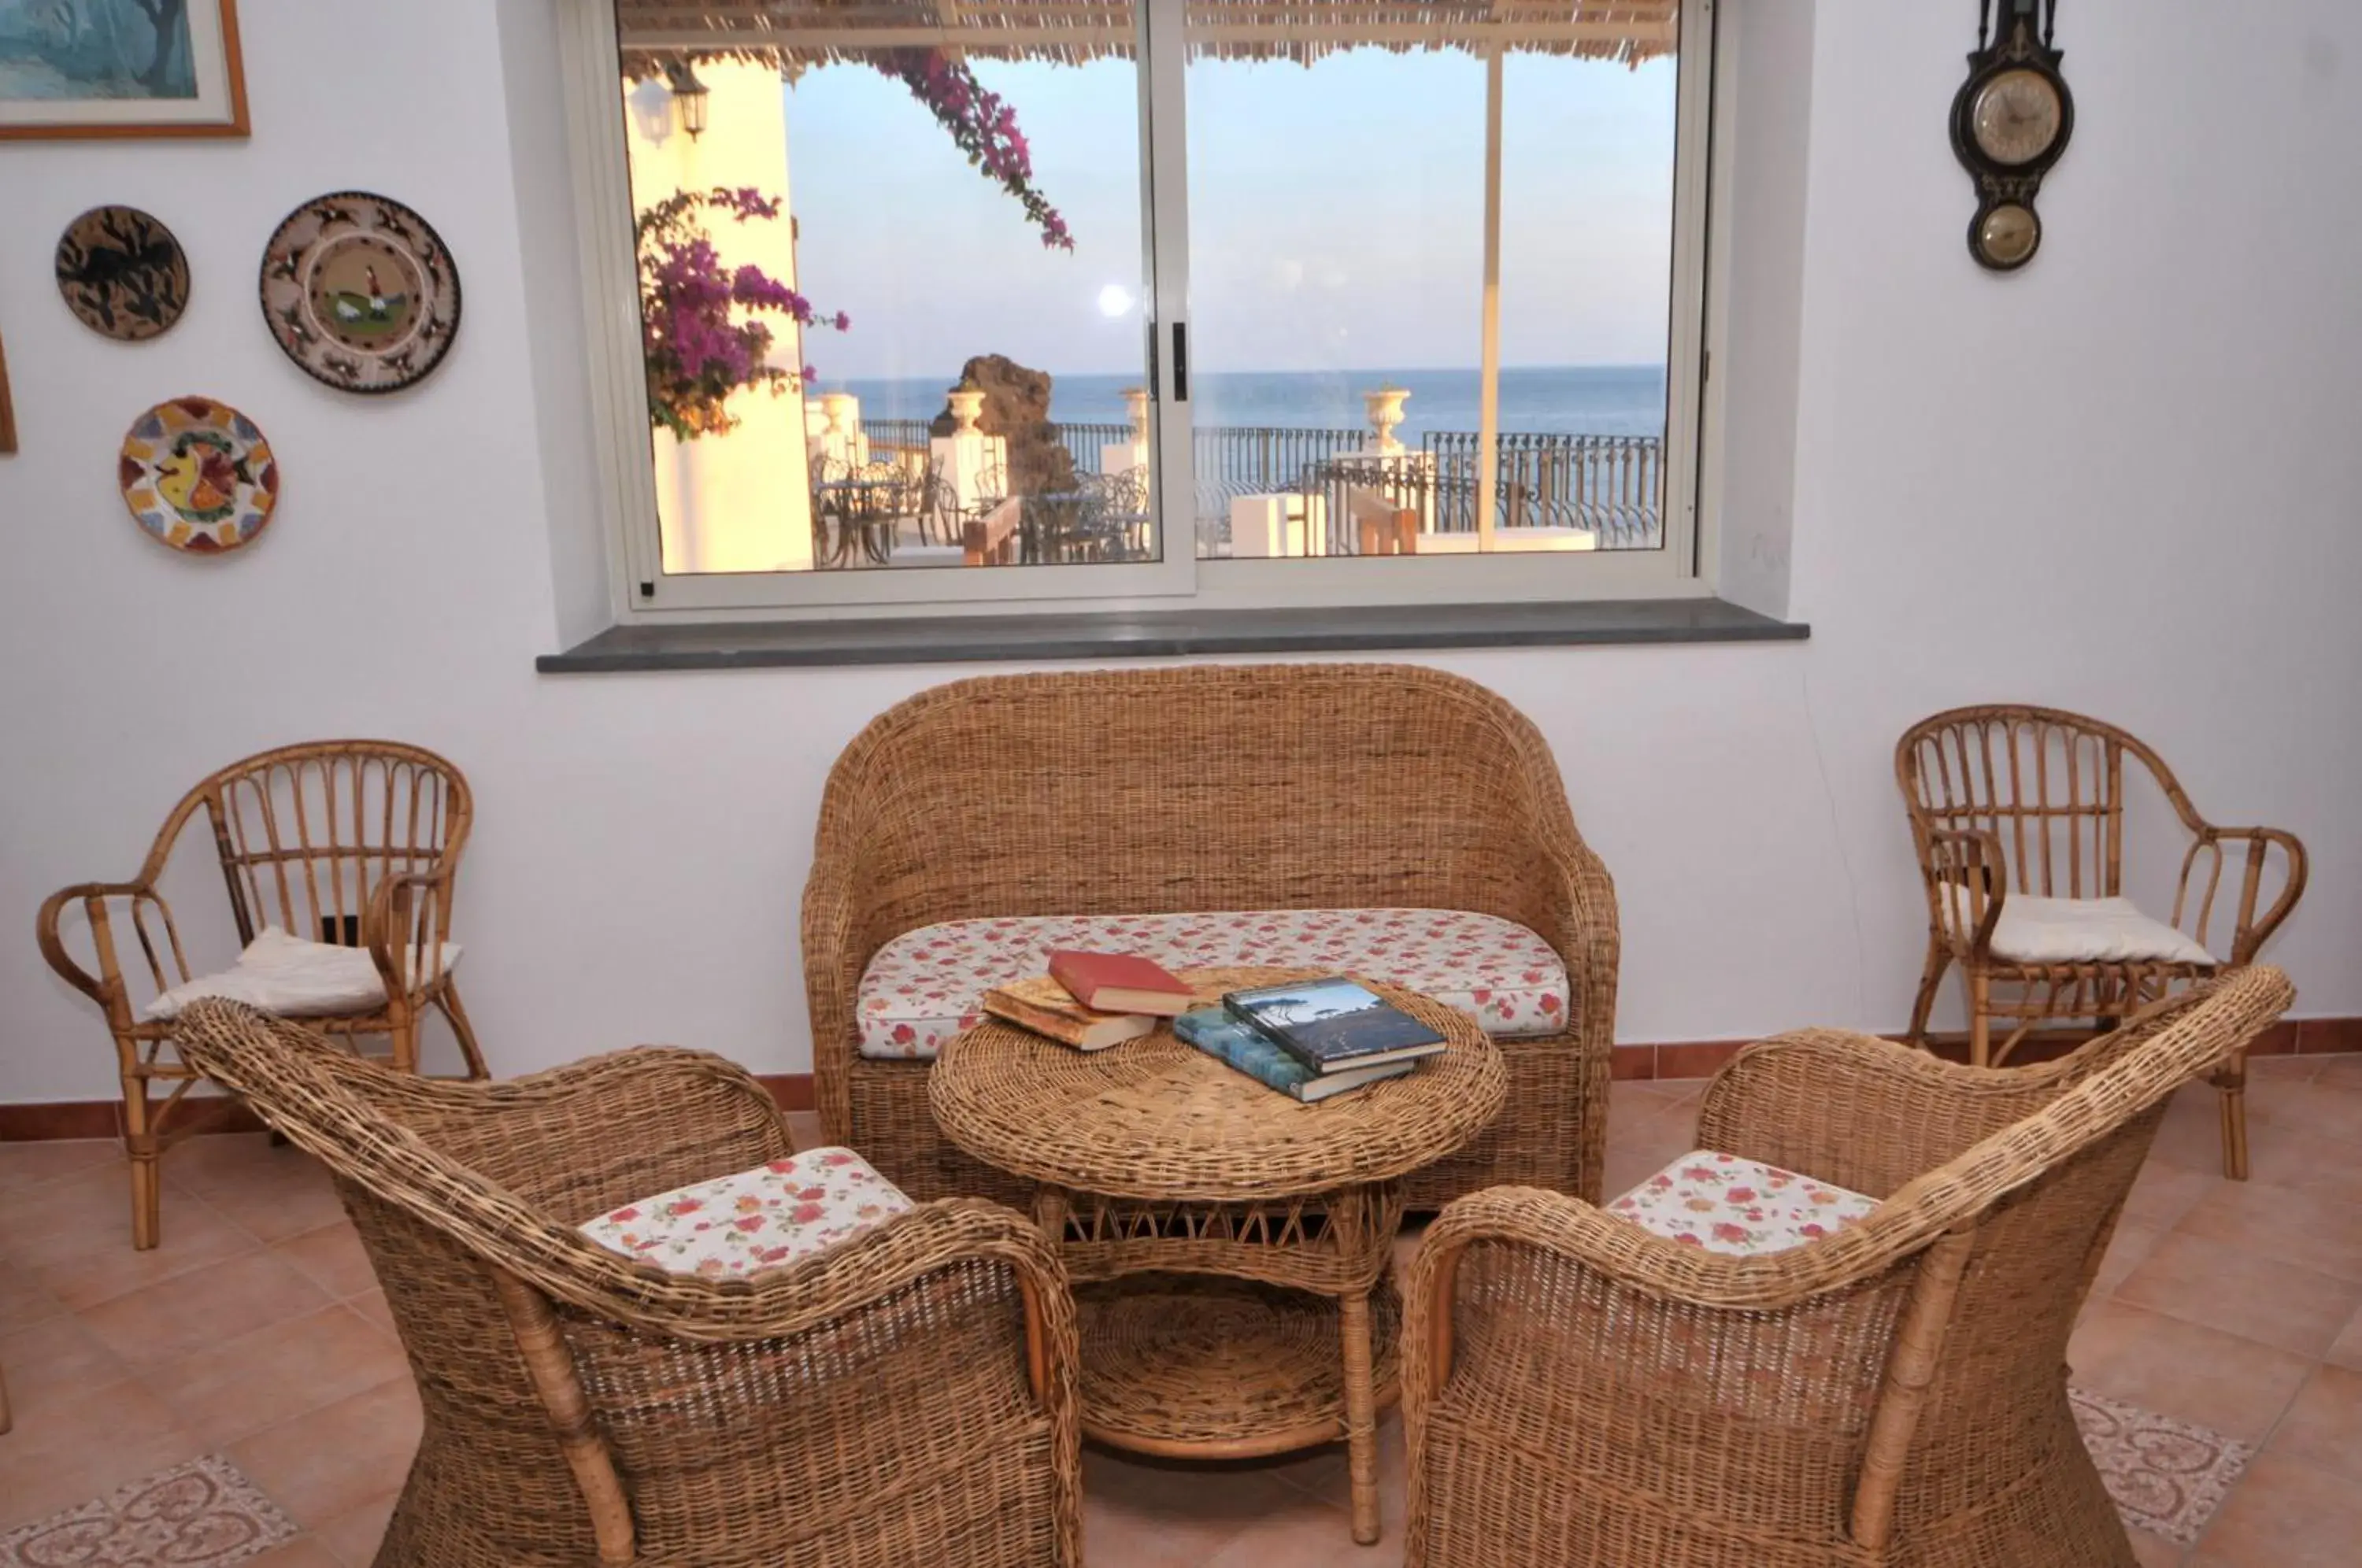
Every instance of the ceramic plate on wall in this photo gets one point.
(122, 273)
(198, 475)
(359, 291)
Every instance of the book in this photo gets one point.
(1045, 1007)
(1332, 1024)
(1120, 982)
(1213, 1030)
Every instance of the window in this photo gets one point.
(916, 303)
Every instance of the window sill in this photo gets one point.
(1165, 633)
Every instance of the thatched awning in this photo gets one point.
(799, 32)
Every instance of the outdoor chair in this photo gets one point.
(1399, 823)
(1580, 1388)
(351, 843)
(2018, 816)
(903, 1394)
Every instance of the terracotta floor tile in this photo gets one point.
(64, 1451)
(803, 1126)
(2154, 1551)
(167, 1322)
(371, 1304)
(277, 1208)
(2284, 1068)
(2127, 1249)
(354, 1537)
(2302, 1161)
(304, 1552)
(55, 1359)
(193, 1236)
(332, 1258)
(325, 1464)
(23, 1299)
(2285, 1513)
(2243, 1293)
(2323, 1428)
(206, 1164)
(2332, 1109)
(2234, 1385)
(1155, 1514)
(2348, 1351)
(2164, 1192)
(225, 1391)
(83, 1211)
(24, 1166)
(1317, 1536)
(2345, 1072)
(2313, 1232)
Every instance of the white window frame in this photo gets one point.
(1681, 568)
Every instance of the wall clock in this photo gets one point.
(2011, 120)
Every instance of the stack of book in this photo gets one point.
(1091, 1000)
(1311, 1039)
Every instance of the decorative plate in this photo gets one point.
(123, 273)
(198, 475)
(360, 291)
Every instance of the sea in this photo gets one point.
(1590, 400)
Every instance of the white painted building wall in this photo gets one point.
(2127, 481)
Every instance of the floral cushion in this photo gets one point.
(754, 1219)
(1726, 1204)
(926, 985)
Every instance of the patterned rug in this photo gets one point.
(203, 1513)
(2165, 1476)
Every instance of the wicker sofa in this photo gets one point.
(1046, 802)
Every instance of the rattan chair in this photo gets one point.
(2023, 801)
(356, 843)
(1578, 1389)
(1205, 788)
(906, 1396)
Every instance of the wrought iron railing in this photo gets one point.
(1611, 485)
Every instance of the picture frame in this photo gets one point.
(72, 69)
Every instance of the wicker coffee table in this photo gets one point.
(1229, 1246)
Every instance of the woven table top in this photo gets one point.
(1157, 1118)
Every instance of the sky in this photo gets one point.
(1335, 213)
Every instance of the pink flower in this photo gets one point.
(805, 1213)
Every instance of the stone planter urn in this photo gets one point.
(838, 407)
(967, 407)
(1386, 411)
(1135, 404)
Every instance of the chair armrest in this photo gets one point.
(106, 988)
(1849, 1109)
(2250, 929)
(404, 926)
(1966, 877)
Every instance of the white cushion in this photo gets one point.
(754, 1219)
(927, 985)
(294, 979)
(1726, 1204)
(2035, 930)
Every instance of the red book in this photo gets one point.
(1120, 982)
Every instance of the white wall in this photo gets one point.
(2125, 480)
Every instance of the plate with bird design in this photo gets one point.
(122, 272)
(198, 475)
(360, 291)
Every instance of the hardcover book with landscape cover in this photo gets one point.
(1213, 1030)
(1330, 1024)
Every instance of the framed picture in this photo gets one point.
(120, 68)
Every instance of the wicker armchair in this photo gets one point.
(1205, 788)
(906, 1396)
(349, 842)
(1577, 1389)
(2030, 801)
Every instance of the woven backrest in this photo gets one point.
(306, 834)
(1198, 788)
(2049, 784)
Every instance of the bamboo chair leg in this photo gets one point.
(2231, 1085)
(139, 1145)
(1979, 1022)
(6, 1421)
(404, 1038)
(1360, 1414)
(1931, 976)
(461, 1029)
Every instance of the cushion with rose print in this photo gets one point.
(1727, 1204)
(776, 1213)
(927, 985)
